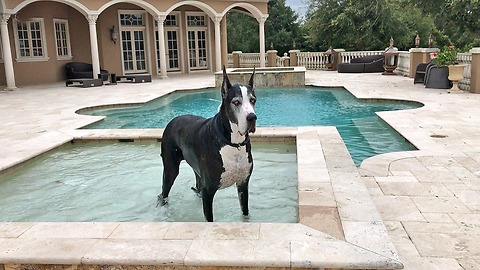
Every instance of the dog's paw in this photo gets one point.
(161, 201)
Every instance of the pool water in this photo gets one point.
(120, 182)
(364, 134)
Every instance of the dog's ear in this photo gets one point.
(251, 78)
(225, 84)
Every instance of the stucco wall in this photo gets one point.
(27, 73)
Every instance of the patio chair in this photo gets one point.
(437, 77)
(420, 72)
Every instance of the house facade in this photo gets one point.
(156, 37)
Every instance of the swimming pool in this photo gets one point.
(120, 182)
(364, 134)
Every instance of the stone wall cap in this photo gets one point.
(475, 50)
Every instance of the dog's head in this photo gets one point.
(238, 101)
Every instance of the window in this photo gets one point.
(62, 39)
(132, 19)
(171, 20)
(196, 20)
(30, 40)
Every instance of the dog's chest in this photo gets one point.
(236, 164)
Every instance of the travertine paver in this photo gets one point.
(427, 199)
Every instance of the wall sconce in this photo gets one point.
(430, 40)
(417, 41)
(113, 34)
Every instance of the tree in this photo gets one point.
(368, 25)
(281, 29)
(242, 33)
(355, 25)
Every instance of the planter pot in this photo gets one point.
(455, 73)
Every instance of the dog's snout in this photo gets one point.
(251, 117)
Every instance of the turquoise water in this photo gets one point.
(120, 182)
(364, 134)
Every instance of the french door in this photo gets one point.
(171, 43)
(133, 41)
(134, 51)
(197, 49)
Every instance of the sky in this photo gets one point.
(297, 6)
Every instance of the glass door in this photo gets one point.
(197, 49)
(134, 54)
(172, 50)
(133, 40)
(197, 40)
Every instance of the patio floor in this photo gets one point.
(428, 199)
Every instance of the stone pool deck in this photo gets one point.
(419, 207)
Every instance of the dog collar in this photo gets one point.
(223, 139)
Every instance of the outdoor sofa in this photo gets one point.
(79, 70)
(366, 64)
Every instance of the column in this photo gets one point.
(261, 21)
(92, 25)
(223, 30)
(416, 58)
(293, 57)
(161, 46)
(218, 44)
(7, 52)
(475, 72)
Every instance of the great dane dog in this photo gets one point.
(218, 149)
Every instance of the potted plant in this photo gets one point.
(448, 57)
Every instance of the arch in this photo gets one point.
(204, 7)
(256, 13)
(74, 4)
(147, 6)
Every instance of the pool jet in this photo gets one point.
(218, 149)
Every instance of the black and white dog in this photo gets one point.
(217, 149)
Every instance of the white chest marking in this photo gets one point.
(236, 165)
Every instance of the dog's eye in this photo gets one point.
(253, 101)
(236, 102)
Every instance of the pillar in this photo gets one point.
(92, 26)
(416, 58)
(236, 58)
(223, 33)
(475, 72)
(293, 57)
(7, 53)
(218, 44)
(272, 58)
(261, 22)
(161, 46)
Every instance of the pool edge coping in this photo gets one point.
(363, 230)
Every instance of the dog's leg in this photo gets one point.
(198, 183)
(243, 197)
(171, 167)
(207, 199)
